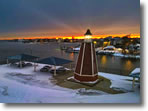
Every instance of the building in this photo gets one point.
(86, 68)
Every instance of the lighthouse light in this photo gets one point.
(88, 36)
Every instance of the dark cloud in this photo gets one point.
(71, 16)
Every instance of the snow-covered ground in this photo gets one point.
(26, 86)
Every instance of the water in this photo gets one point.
(117, 65)
(110, 64)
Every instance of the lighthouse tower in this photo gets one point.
(86, 68)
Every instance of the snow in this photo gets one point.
(118, 54)
(109, 47)
(92, 82)
(26, 86)
(76, 49)
(126, 56)
(114, 98)
(119, 82)
(137, 70)
(135, 73)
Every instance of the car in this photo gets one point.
(49, 67)
(28, 64)
(21, 65)
(44, 69)
(59, 70)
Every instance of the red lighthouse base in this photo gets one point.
(86, 78)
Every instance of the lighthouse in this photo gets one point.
(86, 68)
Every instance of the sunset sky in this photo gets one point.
(28, 18)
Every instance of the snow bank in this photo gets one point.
(119, 82)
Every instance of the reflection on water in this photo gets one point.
(62, 52)
(110, 64)
(113, 59)
(117, 65)
(103, 60)
(71, 56)
(128, 65)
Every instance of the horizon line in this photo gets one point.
(72, 37)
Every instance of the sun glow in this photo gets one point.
(74, 37)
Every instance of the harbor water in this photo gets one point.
(106, 63)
